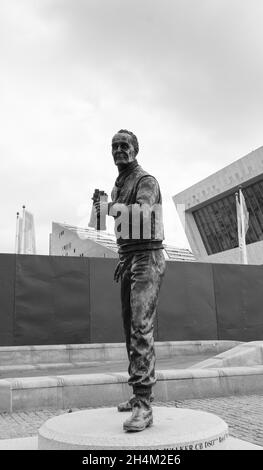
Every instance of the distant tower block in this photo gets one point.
(25, 234)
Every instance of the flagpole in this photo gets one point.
(243, 232)
(23, 238)
(238, 227)
(33, 237)
(17, 233)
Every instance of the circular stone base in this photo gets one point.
(173, 428)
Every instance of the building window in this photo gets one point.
(67, 246)
(217, 221)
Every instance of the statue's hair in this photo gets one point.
(135, 142)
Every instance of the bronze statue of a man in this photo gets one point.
(136, 206)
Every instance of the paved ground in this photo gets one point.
(243, 414)
(177, 362)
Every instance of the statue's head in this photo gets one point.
(125, 147)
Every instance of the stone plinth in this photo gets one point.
(173, 428)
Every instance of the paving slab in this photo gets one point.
(22, 443)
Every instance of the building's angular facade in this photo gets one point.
(208, 212)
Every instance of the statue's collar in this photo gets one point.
(126, 172)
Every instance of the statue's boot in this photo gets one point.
(127, 405)
(142, 416)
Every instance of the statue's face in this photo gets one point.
(122, 149)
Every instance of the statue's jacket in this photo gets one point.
(137, 209)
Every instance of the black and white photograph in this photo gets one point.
(131, 229)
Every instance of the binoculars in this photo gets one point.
(98, 220)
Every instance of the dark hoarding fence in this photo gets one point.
(239, 299)
(52, 300)
(62, 300)
(105, 306)
(187, 303)
(7, 299)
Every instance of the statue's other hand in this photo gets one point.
(117, 272)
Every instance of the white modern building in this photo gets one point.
(67, 240)
(208, 212)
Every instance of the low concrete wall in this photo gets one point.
(109, 389)
(244, 354)
(77, 353)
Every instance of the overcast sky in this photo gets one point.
(186, 76)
